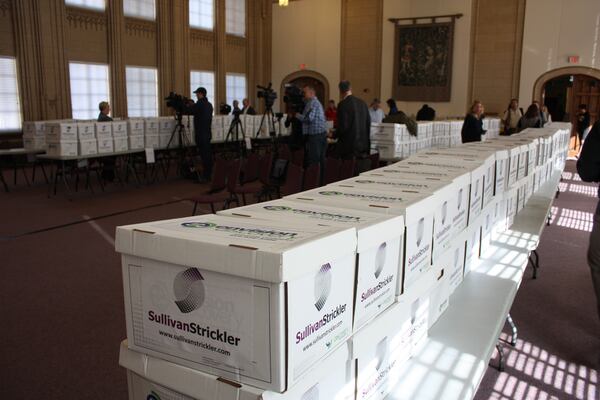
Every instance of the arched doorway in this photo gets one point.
(307, 77)
(562, 90)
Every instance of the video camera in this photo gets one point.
(294, 98)
(177, 102)
(268, 94)
(224, 109)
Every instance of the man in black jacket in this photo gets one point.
(202, 111)
(353, 127)
(588, 167)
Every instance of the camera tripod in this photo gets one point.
(233, 134)
(269, 117)
(185, 162)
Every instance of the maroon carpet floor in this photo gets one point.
(61, 301)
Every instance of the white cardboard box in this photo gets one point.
(136, 142)
(151, 141)
(444, 202)
(63, 148)
(88, 147)
(459, 203)
(214, 293)
(151, 126)
(473, 246)
(34, 143)
(333, 378)
(105, 146)
(86, 131)
(455, 262)
(34, 129)
(120, 144)
(135, 127)
(166, 125)
(380, 350)
(379, 247)
(103, 130)
(417, 211)
(439, 299)
(119, 129)
(61, 131)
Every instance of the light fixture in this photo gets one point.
(284, 3)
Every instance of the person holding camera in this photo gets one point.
(314, 128)
(202, 111)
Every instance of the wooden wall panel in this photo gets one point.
(202, 50)
(7, 39)
(361, 47)
(497, 34)
(86, 36)
(235, 54)
(140, 43)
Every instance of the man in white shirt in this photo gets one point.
(377, 114)
(511, 117)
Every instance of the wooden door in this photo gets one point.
(585, 90)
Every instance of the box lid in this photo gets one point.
(412, 206)
(412, 184)
(203, 386)
(263, 250)
(371, 228)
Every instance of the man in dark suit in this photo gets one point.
(202, 111)
(247, 109)
(353, 128)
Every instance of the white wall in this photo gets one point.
(307, 32)
(462, 42)
(555, 30)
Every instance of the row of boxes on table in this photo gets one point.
(394, 140)
(492, 127)
(329, 303)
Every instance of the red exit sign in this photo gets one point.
(573, 60)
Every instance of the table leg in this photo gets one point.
(536, 264)
(513, 327)
(500, 349)
(65, 180)
(3, 180)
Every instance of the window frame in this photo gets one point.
(96, 111)
(86, 6)
(138, 16)
(18, 98)
(202, 28)
(155, 70)
(245, 24)
(227, 97)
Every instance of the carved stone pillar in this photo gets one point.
(165, 52)
(181, 47)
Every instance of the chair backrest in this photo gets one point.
(298, 157)
(312, 175)
(374, 160)
(233, 174)
(250, 171)
(332, 170)
(219, 175)
(264, 168)
(293, 180)
(347, 170)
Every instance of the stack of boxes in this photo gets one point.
(61, 139)
(390, 140)
(167, 136)
(151, 130)
(34, 137)
(333, 301)
(104, 136)
(492, 126)
(135, 133)
(86, 133)
(119, 133)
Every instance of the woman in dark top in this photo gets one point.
(392, 106)
(531, 119)
(472, 128)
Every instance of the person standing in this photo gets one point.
(539, 108)
(546, 115)
(104, 111)
(296, 137)
(531, 119)
(314, 129)
(331, 112)
(583, 122)
(108, 163)
(236, 107)
(588, 168)
(375, 112)
(354, 128)
(391, 103)
(511, 117)
(202, 111)
(247, 109)
(472, 128)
